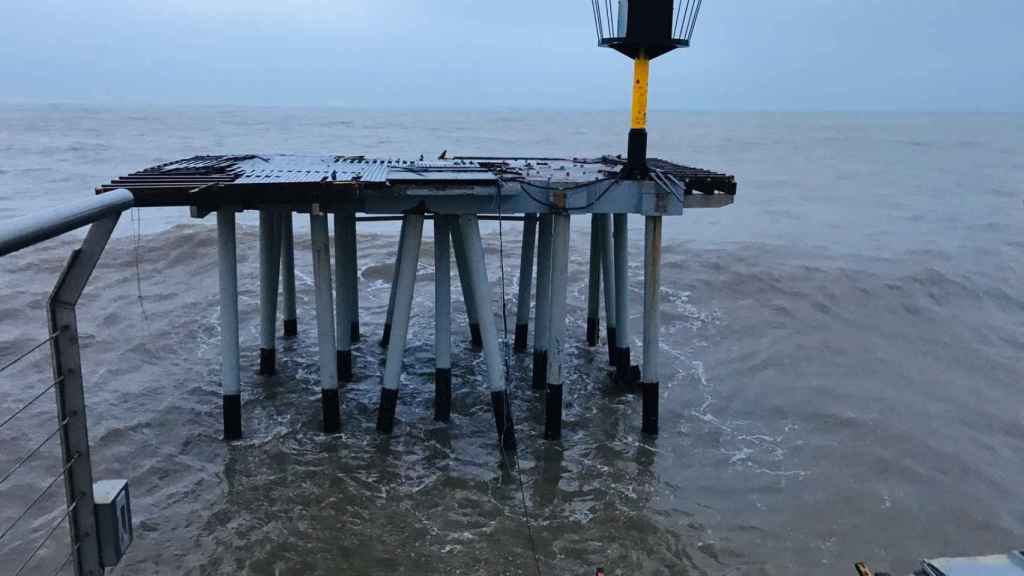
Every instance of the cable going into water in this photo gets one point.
(508, 390)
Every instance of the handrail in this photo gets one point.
(30, 229)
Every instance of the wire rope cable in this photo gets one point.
(508, 391)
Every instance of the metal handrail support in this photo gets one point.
(67, 371)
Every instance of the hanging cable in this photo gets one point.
(523, 185)
(506, 355)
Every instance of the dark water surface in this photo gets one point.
(841, 370)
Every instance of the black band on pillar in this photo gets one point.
(386, 336)
(636, 154)
(593, 331)
(649, 420)
(553, 412)
(268, 361)
(442, 394)
(331, 409)
(344, 365)
(291, 327)
(386, 411)
(540, 369)
(232, 416)
(474, 335)
(610, 331)
(503, 420)
(522, 333)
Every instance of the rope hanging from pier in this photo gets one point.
(508, 389)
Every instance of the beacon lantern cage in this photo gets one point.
(643, 30)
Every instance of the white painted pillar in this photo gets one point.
(270, 268)
(442, 318)
(230, 378)
(291, 325)
(343, 271)
(594, 283)
(541, 310)
(469, 230)
(652, 320)
(556, 331)
(608, 279)
(525, 282)
(386, 335)
(467, 289)
(412, 234)
(321, 245)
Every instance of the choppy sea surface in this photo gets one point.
(841, 365)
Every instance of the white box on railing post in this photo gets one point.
(113, 519)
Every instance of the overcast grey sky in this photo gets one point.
(747, 54)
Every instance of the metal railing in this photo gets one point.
(101, 213)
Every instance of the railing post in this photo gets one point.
(67, 372)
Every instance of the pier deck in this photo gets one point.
(456, 185)
(455, 193)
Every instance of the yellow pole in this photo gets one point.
(641, 68)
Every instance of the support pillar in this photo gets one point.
(652, 319)
(608, 279)
(230, 377)
(344, 270)
(625, 373)
(353, 279)
(525, 282)
(321, 244)
(408, 258)
(594, 283)
(469, 230)
(290, 313)
(386, 336)
(541, 310)
(270, 269)
(556, 331)
(442, 319)
(461, 262)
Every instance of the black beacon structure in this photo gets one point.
(643, 30)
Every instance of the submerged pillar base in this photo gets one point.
(593, 330)
(553, 412)
(626, 374)
(522, 334)
(649, 419)
(442, 394)
(232, 416)
(540, 369)
(475, 338)
(331, 407)
(386, 410)
(344, 365)
(503, 420)
(268, 361)
(291, 327)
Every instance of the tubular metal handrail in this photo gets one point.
(102, 213)
(34, 228)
